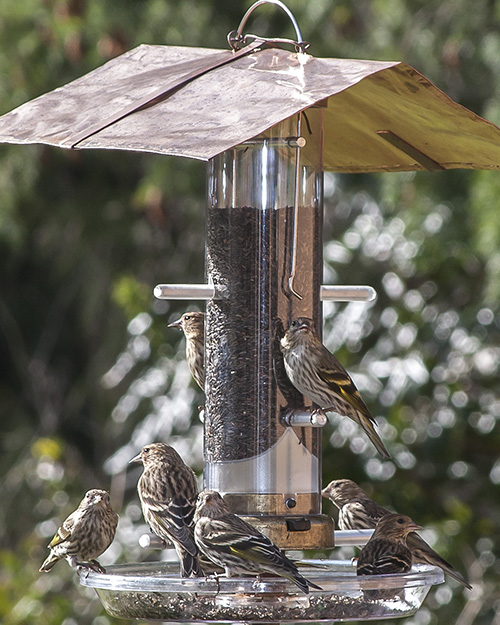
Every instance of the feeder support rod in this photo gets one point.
(330, 293)
(343, 538)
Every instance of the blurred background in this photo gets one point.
(90, 373)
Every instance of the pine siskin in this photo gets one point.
(357, 511)
(238, 547)
(193, 326)
(317, 374)
(168, 490)
(387, 551)
(85, 534)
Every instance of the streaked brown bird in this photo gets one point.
(85, 534)
(237, 546)
(167, 489)
(193, 326)
(387, 551)
(317, 374)
(357, 511)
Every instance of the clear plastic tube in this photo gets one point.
(251, 255)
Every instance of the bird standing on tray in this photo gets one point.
(167, 489)
(358, 512)
(238, 547)
(387, 551)
(85, 534)
(317, 374)
(193, 326)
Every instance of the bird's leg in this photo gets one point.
(92, 565)
(215, 576)
(83, 571)
(95, 566)
(72, 561)
(164, 542)
(317, 411)
(257, 581)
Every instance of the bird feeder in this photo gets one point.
(269, 118)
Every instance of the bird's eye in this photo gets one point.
(187, 317)
(146, 450)
(401, 521)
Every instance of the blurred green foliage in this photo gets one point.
(89, 370)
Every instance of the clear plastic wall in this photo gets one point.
(264, 241)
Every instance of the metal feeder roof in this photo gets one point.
(198, 102)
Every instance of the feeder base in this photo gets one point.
(154, 591)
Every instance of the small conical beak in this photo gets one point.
(176, 324)
(324, 493)
(137, 458)
(414, 527)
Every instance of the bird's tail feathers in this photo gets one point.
(190, 567)
(456, 576)
(303, 583)
(313, 585)
(49, 563)
(424, 553)
(360, 415)
(369, 428)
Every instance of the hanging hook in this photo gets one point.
(235, 38)
(293, 267)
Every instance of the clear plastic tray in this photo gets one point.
(155, 591)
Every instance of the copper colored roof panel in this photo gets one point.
(380, 116)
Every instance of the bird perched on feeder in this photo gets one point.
(358, 512)
(387, 551)
(238, 547)
(85, 534)
(167, 489)
(193, 326)
(317, 374)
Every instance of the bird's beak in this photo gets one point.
(137, 458)
(176, 324)
(324, 493)
(414, 527)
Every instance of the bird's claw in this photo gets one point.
(215, 578)
(86, 567)
(256, 581)
(316, 411)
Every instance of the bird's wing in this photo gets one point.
(423, 553)
(340, 382)
(383, 557)
(234, 536)
(64, 532)
(358, 515)
(261, 550)
(175, 518)
(350, 403)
